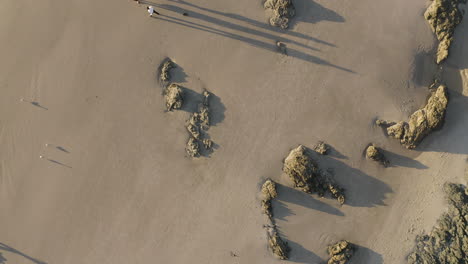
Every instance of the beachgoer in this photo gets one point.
(151, 10)
(138, 1)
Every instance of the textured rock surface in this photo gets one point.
(322, 148)
(448, 241)
(340, 252)
(420, 123)
(443, 17)
(375, 154)
(268, 193)
(192, 148)
(306, 176)
(198, 124)
(276, 244)
(173, 96)
(281, 12)
(165, 67)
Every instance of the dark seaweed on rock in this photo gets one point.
(281, 12)
(422, 122)
(443, 17)
(447, 243)
(340, 252)
(304, 173)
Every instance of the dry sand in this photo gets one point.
(121, 189)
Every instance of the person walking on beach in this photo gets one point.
(151, 11)
(138, 1)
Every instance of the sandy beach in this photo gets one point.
(115, 184)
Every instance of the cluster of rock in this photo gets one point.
(197, 125)
(448, 241)
(340, 252)
(306, 176)
(420, 123)
(281, 12)
(374, 153)
(443, 17)
(173, 94)
(199, 121)
(275, 243)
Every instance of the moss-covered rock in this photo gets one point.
(447, 243)
(174, 97)
(443, 17)
(422, 122)
(340, 252)
(281, 12)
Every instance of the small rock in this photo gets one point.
(174, 97)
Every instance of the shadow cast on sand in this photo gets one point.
(396, 160)
(361, 190)
(7, 248)
(302, 255)
(2, 259)
(365, 255)
(291, 195)
(309, 11)
(269, 45)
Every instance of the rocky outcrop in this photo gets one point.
(306, 176)
(448, 241)
(173, 96)
(422, 122)
(268, 193)
(197, 125)
(443, 17)
(374, 153)
(279, 248)
(276, 244)
(322, 148)
(281, 12)
(165, 67)
(340, 252)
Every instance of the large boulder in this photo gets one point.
(340, 252)
(281, 12)
(174, 97)
(422, 122)
(443, 17)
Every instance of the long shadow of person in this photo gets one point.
(2, 259)
(7, 248)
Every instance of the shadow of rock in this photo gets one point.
(361, 190)
(291, 195)
(424, 68)
(365, 255)
(302, 255)
(2, 259)
(178, 74)
(191, 100)
(7, 248)
(217, 110)
(335, 153)
(309, 11)
(396, 160)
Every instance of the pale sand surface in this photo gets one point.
(126, 192)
